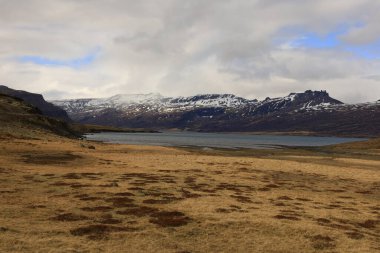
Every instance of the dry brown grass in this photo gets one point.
(60, 196)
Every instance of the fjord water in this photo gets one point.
(217, 140)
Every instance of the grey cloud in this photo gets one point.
(373, 77)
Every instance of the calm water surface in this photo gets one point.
(218, 140)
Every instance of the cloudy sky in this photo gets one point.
(251, 48)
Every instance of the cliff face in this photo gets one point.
(38, 101)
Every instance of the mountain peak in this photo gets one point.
(312, 97)
(310, 93)
(135, 98)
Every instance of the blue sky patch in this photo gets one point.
(329, 40)
(309, 40)
(71, 63)
(369, 52)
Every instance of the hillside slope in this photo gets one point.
(21, 120)
(37, 100)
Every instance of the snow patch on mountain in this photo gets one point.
(152, 102)
(155, 103)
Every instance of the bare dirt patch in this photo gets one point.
(169, 219)
(109, 219)
(323, 221)
(3, 229)
(99, 231)
(284, 198)
(97, 209)
(242, 199)
(70, 217)
(36, 206)
(188, 194)
(157, 201)
(50, 159)
(369, 224)
(79, 185)
(321, 242)
(120, 201)
(124, 194)
(354, 235)
(60, 183)
(5, 171)
(139, 211)
(286, 217)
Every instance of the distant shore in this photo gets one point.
(85, 128)
(284, 133)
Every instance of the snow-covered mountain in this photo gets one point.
(312, 111)
(122, 101)
(151, 102)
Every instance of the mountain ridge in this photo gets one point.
(310, 111)
(200, 100)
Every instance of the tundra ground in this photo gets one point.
(61, 195)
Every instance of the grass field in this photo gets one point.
(61, 195)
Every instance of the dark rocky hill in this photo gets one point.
(37, 100)
(22, 120)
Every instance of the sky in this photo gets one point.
(250, 48)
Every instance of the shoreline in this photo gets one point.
(215, 142)
(284, 133)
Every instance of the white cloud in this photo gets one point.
(186, 47)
